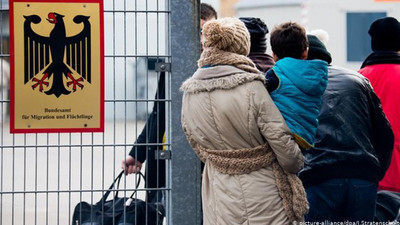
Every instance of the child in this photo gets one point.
(296, 84)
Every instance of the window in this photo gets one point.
(358, 39)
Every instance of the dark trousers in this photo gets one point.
(342, 200)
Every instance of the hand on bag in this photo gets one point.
(131, 165)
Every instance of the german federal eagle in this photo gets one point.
(57, 54)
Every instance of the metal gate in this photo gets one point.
(43, 176)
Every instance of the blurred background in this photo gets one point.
(346, 22)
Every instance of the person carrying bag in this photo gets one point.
(118, 211)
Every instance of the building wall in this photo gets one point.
(215, 4)
(329, 15)
(227, 8)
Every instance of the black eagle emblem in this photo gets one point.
(56, 54)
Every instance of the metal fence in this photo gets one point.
(43, 176)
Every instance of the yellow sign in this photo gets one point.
(57, 66)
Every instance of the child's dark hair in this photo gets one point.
(207, 12)
(289, 40)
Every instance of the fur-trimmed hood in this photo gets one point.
(218, 77)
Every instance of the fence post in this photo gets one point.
(185, 167)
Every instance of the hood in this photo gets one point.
(218, 77)
(310, 76)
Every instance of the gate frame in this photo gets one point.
(185, 166)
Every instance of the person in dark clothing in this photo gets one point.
(352, 151)
(147, 145)
(150, 140)
(258, 46)
(207, 12)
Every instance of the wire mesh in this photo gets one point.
(44, 176)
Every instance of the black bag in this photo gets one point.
(118, 211)
(387, 206)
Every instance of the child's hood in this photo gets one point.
(310, 76)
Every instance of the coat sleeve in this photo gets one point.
(272, 80)
(139, 152)
(152, 133)
(382, 134)
(275, 131)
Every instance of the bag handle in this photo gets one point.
(118, 180)
(137, 184)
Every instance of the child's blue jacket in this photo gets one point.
(298, 95)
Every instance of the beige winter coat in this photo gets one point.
(225, 108)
